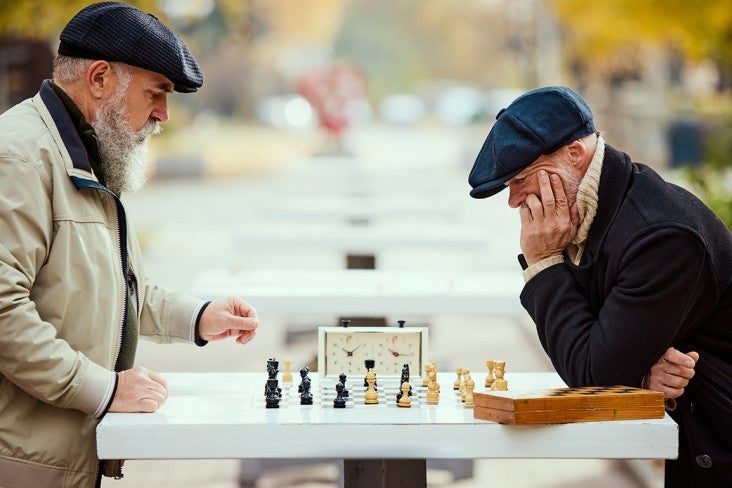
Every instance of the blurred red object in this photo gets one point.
(330, 89)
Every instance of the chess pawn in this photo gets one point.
(469, 387)
(371, 396)
(287, 376)
(404, 400)
(490, 379)
(458, 380)
(500, 383)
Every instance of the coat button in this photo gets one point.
(704, 461)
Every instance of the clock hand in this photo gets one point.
(350, 353)
(397, 354)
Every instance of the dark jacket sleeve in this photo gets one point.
(604, 324)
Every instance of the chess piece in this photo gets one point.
(463, 384)
(306, 398)
(500, 370)
(370, 365)
(272, 398)
(342, 379)
(433, 388)
(426, 377)
(272, 370)
(405, 377)
(403, 400)
(339, 401)
(490, 378)
(433, 372)
(287, 376)
(458, 380)
(303, 374)
(371, 396)
(469, 387)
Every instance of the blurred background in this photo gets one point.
(321, 173)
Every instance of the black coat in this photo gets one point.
(655, 272)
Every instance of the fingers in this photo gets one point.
(228, 317)
(672, 372)
(139, 390)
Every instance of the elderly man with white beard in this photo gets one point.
(73, 293)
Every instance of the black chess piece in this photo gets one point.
(405, 379)
(370, 364)
(303, 374)
(342, 379)
(306, 398)
(273, 396)
(339, 401)
(272, 371)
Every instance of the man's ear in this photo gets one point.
(99, 79)
(577, 152)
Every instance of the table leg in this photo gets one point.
(385, 473)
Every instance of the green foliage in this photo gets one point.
(44, 19)
(708, 183)
(712, 180)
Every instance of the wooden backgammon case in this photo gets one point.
(566, 405)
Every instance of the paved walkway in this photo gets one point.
(189, 226)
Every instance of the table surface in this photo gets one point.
(223, 415)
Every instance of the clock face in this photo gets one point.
(345, 349)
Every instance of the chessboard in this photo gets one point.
(567, 405)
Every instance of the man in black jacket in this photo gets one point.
(627, 276)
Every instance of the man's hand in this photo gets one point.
(672, 372)
(547, 225)
(139, 390)
(228, 317)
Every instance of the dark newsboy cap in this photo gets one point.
(536, 123)
(115, 31)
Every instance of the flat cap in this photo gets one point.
(538, 122)
(116, 31)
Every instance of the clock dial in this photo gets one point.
(396, 350)
(344, 350)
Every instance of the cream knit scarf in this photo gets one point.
(587, 202)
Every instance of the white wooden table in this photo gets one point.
(355, 292)
(223, 415)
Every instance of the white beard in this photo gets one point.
(123, 152)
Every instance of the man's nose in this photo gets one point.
(160, 113)
(515, 198)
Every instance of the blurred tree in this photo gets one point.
(606, 36)
(43, 19)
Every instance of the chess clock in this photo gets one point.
(344, 350)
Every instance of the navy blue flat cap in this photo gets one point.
(538, 122)
(115, 31)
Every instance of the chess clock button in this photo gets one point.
(704, 461)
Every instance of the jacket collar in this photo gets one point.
(615, 181)
(66, 128)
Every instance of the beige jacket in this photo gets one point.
(62, 299)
